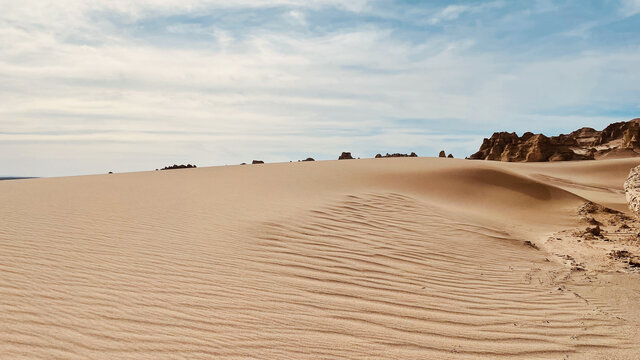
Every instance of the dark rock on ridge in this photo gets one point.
(174, 166)
(616, 140)
(442, 154)
(379, 156)
(345, 156)
(257, 162)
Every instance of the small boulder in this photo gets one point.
(309, 159)
(257, 162)
(450, 156)
(595, 231)
(442, 154)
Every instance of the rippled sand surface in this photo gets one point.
(364, 259)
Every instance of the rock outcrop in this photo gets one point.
(174, 166)
(380, 156)
(620, 139)
(632, 190)
(257, 162)
(442, 154)
(345, 156)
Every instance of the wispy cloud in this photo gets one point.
(453, 12)
(630, 7)
(126, 85)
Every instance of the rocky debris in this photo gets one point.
(590, 208)
(621, 139)
(609, 233)
(595, 231)
(450, 156)
(610, 222)
(380, 156)
(591, 221)
(257, 162)
(632, 190)
(345, 156)
(626, 256)
(174, 166)
(531, 245)
(442, 154)
(619, 254)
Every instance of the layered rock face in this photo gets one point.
(618, 139)
(632, 190)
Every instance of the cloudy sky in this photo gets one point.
(96, 86)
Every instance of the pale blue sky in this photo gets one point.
(90, 87)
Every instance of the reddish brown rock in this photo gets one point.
(345, 156)
(616, 140)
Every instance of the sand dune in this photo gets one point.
(402, 258)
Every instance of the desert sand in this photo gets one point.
(400, 258)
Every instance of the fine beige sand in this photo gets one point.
(401, 258)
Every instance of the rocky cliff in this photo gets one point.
(621, 139)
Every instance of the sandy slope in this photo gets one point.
(410, 258)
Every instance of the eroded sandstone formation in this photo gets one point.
(621, 139)
(632, 190)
